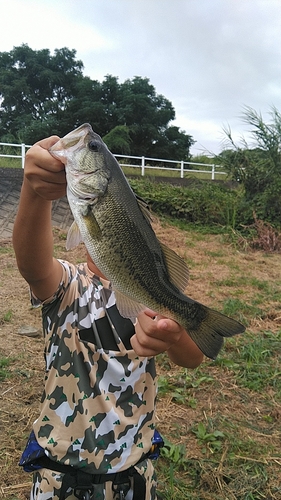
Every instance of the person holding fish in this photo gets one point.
(104, 321)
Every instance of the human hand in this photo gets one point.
(155, 334)
(45, 174)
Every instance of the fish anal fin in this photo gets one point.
(73, 236)
(127, 307)
(176, 266)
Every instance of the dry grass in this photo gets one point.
(248, 461)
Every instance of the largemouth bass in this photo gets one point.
(115, 227)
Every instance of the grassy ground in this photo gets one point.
(221, 422)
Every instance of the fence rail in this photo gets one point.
(141, 162)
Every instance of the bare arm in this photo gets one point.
(154, 336)
(44, 181)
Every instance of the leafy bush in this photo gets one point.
(257, 169)
(204, 203)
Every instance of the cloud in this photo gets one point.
(209, 58)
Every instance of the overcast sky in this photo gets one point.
(210, 58)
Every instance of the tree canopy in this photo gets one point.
(43, 94)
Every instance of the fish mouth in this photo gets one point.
(73, 140)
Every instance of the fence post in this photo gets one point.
(182, 167)
(22, 155)
(142, 165)
(213, 172)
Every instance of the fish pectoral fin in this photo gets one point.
(176, 266)
(127, 307)
(91, 222)
(73, 236)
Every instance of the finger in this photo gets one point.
(159, 326)
(39, 156)
(146, 349)
(163, 323)
(51, 177)
(48, 142)
(150, 313)
(167, 324)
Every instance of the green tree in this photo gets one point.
(258, 169)
(43, 94)
(145, 112)
(118, 140)
(35, 91)
(172, 143)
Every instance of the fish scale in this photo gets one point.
(118, 235)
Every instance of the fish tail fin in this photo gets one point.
(209, 333)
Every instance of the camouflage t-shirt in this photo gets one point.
(97, 409)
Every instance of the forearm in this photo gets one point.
(185, 352)
(32, 235)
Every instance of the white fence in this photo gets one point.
(141, 162)
(21, 146)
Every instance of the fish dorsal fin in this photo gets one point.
(73, 236)
(127, 307)
(177, 268)
(144, 207)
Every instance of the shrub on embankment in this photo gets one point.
(201, 203)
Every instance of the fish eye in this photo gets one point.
(93, 145)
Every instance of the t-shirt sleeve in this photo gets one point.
(68, 271)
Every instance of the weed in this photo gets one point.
(258, 369)
(4, 364)
(264, 286)
(215, 254)
(6, 250)
(212, 439)
(175, 453)
(253, 360)
(174, 486)
(241, 310)
(7, 317)
(265, 237)
(178, 387)
(232, 281)
(227, 445)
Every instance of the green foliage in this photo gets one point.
(238, 309)
(207, 160)
(118, 140)
(174, 453)
(202, 203)
(35, 90)
(210, 438)
(43, 94)
(253, 360)
(4, 364)
(7, 316)
(179, 389)
(257, 370)
(257, 169)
